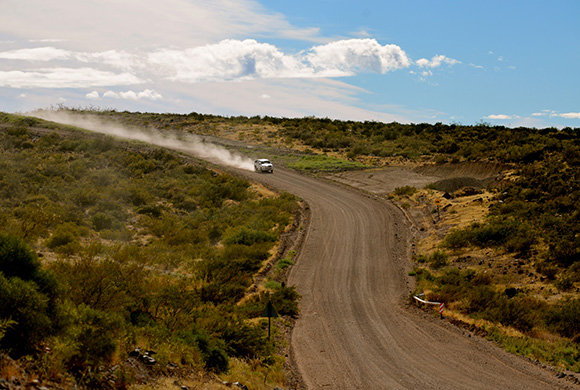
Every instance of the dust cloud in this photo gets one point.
(188, 143)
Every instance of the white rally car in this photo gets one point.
(263, 165)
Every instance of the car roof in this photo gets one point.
(263, 160)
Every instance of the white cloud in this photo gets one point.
(92, 95)
(117, 59)
(436, 61)
(132, 95)
(36, 54)
(499, 116)
(249, 59)
(351, 56)
(45, 40)
(64, 78)
(570, 115)
(113, 24)
(362, 33)
(227, 60)
(552, 114)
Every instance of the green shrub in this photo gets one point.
(92, 335)
(480, 298)
(547, 269)
(565, 282)
(272, 285)
(242, 339)
(405, 191)
(421, 258)
(213, 352)
(438, 259)
(284, 263)
(458, 238)
(285, 300)
(248, 237)
(510, 312)
(23, 303)
(16, 259)
(565, 318)
(515, 236)
(223, 293)
(29, 297)
(102, 221)
(64, 234)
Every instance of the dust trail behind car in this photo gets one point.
(189, 143)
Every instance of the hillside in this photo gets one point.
(107, 246)
(496, 211)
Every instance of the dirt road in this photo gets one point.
(355, 331)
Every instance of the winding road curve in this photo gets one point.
(354, 331)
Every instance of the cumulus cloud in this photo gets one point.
(436, 61)
(228, 60)
(249, 59)
(347, 57)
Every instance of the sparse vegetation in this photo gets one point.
(138, 247)
(533, 217)
(405, 191)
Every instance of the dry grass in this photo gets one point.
(262, 191)
(437, 215)
(250, 373)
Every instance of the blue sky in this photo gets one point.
(509, 62)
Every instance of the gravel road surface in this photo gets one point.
(355, 330)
